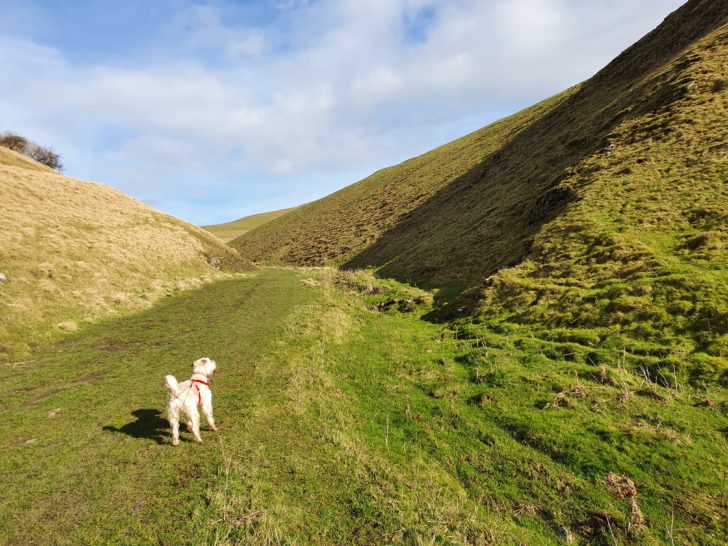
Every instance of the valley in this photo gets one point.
(518, 337)
(347, 418)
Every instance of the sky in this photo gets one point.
(214, 110)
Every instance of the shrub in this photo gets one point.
(14, 142)
(45, 155)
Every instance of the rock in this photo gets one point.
(214, 262)
(3, 278)
(565, 534)
(607, 149)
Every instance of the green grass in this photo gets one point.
(341, 423)
(601, 212)
(231, 230)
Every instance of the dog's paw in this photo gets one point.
(214, 427)
(175, 443)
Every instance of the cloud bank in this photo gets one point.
(214, 110)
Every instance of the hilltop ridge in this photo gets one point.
(236, 228)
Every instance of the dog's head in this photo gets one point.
(205, 366)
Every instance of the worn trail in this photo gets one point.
(83, 438)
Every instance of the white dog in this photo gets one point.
(186, 396)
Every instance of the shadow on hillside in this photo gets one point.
(486, 219)
(149, 425)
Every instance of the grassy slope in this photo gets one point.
(75, 251)
(338, 227)
(231, 230)
(599, 217)
(341, 424)
(638, 259)
(467, 209)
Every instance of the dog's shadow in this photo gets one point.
(149, 425)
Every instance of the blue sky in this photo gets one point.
(213, 110)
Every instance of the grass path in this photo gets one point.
(343, 425)
(102, 468)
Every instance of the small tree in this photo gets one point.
(14, 142)
(46, 156)
(41, 154)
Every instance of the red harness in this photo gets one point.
(199, 394)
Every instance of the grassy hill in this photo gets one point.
(599, 215)
(231, 230)
(337, 228)
(463, 211)
(74, 251)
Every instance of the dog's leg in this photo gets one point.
(195, 417)
(174, 423)
(207, 410)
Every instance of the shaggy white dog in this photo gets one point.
(186, 396)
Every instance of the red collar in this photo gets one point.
(199, 393)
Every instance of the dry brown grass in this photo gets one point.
(75, 251)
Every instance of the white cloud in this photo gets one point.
(202, 28)
(337, 88)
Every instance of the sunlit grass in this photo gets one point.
(231, 230)
(76, 251)
(346, 421)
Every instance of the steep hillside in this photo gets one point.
(599, 214)
(73, 251)
(351, 221)
(461, 212)
(231, 230)
(637, 260)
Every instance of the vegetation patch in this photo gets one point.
(343, 424)
(231, 230)
(72, 252)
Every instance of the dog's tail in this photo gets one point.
(171, 383)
